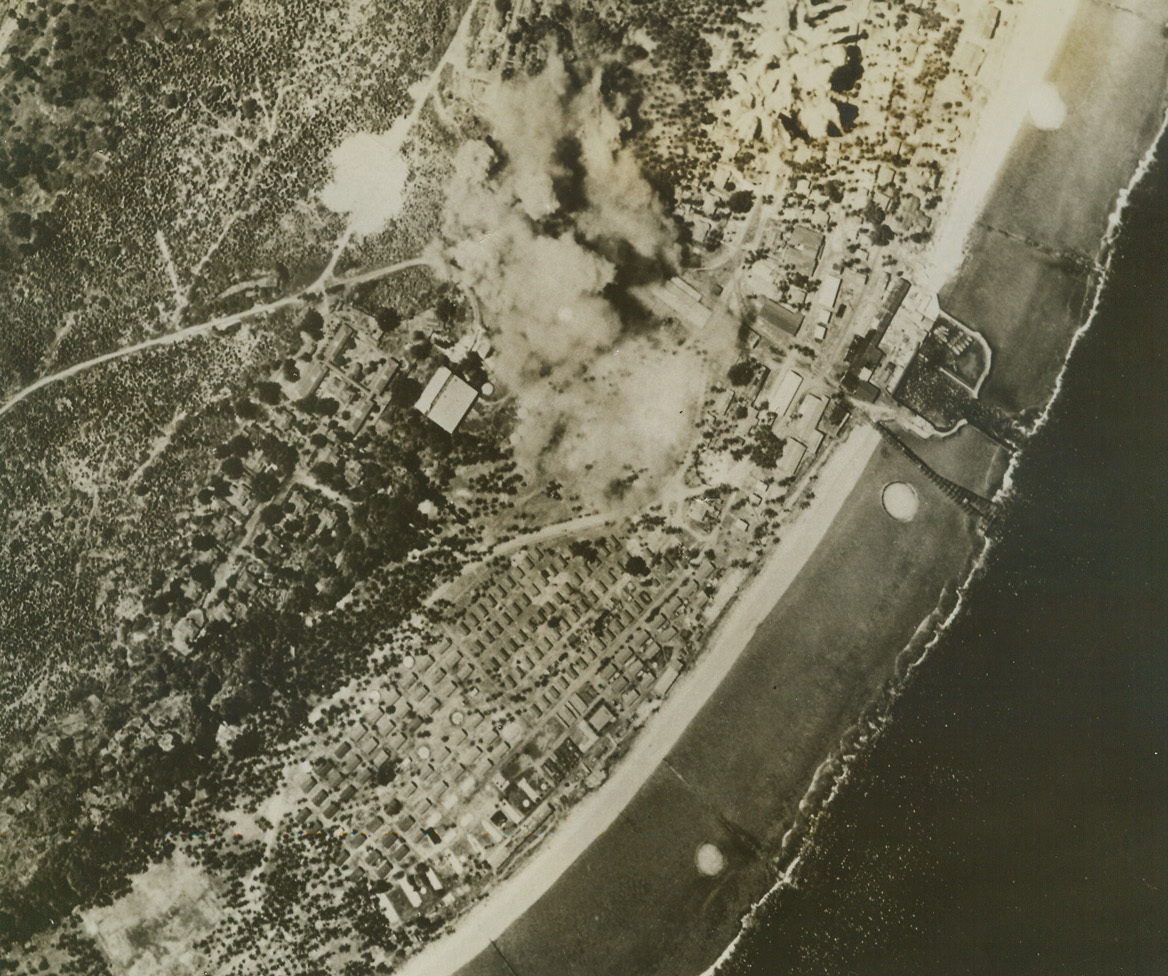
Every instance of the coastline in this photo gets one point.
(592, 818)
(489, 919)
(738, 775)
(1023, 62)
(941, 851)
(869, 728)
(1035, 254)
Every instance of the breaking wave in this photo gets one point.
(836, 770)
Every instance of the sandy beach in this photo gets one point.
(785, 468)
(1020, 65)
(635, 900)
(591, 818)
(1036, 255)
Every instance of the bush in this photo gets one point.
(742, 201)
(269, 392)
(405, 391)
(636, 566)
(313, 324)
(742, 372)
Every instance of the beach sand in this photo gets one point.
(606, 892)
(742, 765)
(592, 817)
(1031, 271)
(1018, 68)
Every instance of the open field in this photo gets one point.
(618, 906)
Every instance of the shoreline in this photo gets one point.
(806, 676)
(1035, 41)
(974, 186)
(586, 821)
(1037, 251)
(836, 766)
(934, 719)
(833, 773)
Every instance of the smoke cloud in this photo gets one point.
(550, 218)
(370, 174)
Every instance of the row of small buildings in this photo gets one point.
(536, 680)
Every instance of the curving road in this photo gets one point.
(191, 331)
(455, 55)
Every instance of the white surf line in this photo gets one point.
(839, 766)
(1115, 220)
(1034, 41)
(1104, 257)
(580, 827)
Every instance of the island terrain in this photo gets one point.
(472, 473)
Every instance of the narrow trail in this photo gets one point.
(191, 331)
(455, 54)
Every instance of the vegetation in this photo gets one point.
(204, 542)
(157, 497)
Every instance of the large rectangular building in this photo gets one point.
(447, 399)
(785, 394)
(774, 321)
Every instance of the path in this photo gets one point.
(551, 532)
(455, 54)
(191, 331)
(399, 132)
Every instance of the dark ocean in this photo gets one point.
(1013, 816)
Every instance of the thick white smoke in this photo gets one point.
(370, 174)
(536, 221)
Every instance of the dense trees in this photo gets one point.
(742, 372)
(387, 318)
(766, 449)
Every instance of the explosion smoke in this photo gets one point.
(549, 219)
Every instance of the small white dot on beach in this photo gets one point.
(1047, 109)
(710, 860)
(900, 500)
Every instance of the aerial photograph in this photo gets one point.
(583, 488)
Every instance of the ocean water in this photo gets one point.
(1012, 818)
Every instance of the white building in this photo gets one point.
(446, 399)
